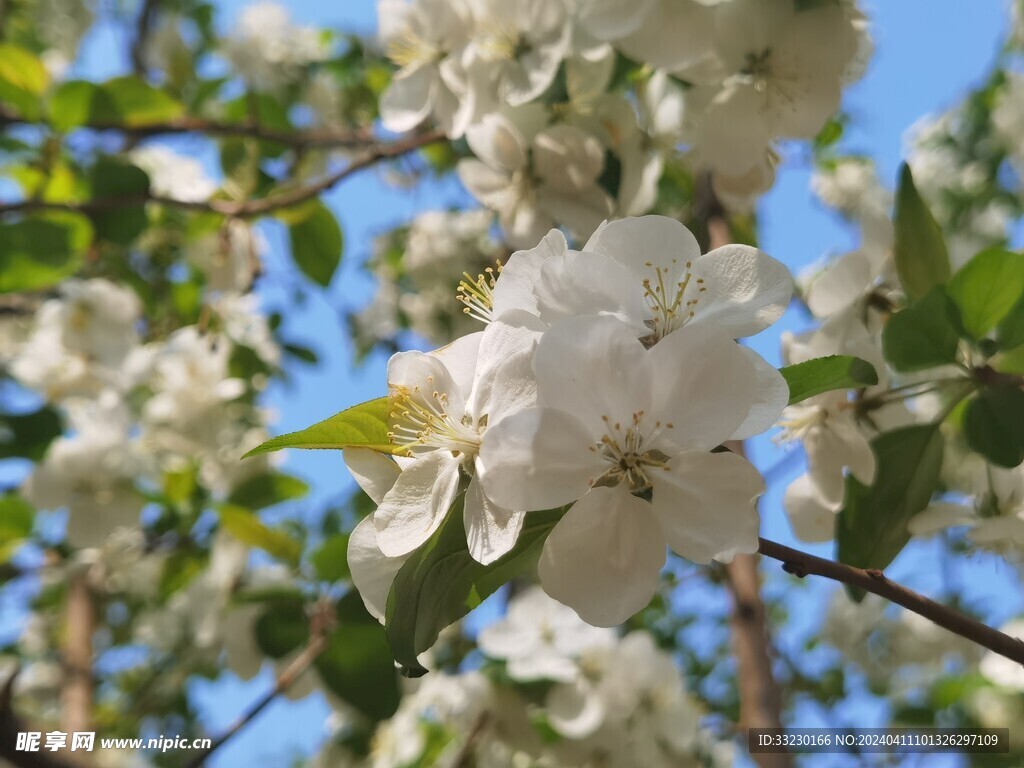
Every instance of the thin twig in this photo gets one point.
(242, 209)
(313, 138)
(320, 625)
(143, 29)
(801, 564)
(464, 758)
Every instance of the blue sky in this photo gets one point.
(928, 53)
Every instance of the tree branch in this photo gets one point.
(77, 688)
(314, 138)
(245, 208)
(320, 625)
(143, 28)
(760, 696)
(801, 564)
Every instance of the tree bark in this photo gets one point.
(760, 696)
(79, 626)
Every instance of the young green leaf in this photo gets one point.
(317, 243)
(356, 665)
(1010, 333)
(282, 627)
(23, 79)
(16, 518)
(28, 435)
(872, 525)
(267, 489)
(245, 526)
(133, 102)
(330, 560)
(39, 251)
(441, 582)
(824, 374)
(922, 335)
(987, 288)
(994, 425)
(361, 426)
(922, 261)
(116, 179)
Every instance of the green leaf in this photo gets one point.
(115, 179)
(330, 560)
(16, 518)
(133, 102)
(872, 525)
(1010, 333)
(180, 568)
(39, 251)
(283, 627)
(316, 242)
(361, 426)
(922, 261)
(356, 665)
(23, 79)
(247, 528)
(28, 435)
(824, 374)
(76, 102)
(922, 335)
(267, 489)
(441, 582)
(986, 288)
(994, 425)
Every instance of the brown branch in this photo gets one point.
(801, 564)
(465, 756)
(759, 692)
(242, 209)
(320, 625)
(314, 138)
(80, 623)
(143, 28)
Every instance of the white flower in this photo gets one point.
(81, 341)
(617, 422)
(91, 473)
(536, 179)
(229, 258)
(424, 38)
(172, 175)
(268, 49)
(444, 403)
(784, 77)
(518, 46)
(540, 639)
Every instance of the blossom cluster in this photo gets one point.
(605, 381)
(554, 691)
(536, 89)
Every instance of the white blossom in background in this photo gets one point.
(424, 39)
(541, 639)
(268, 49)
(81, 341)
(228, 258)
(172, 175)
(1001, 670)
(535, 178)
(91, 473)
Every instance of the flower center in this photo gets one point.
(500, 41)
(629, 453)
(423, 422)
(410, 48)
(664, 297)
(797, 422)
(478, 294)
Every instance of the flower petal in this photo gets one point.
(705, 503)
(578, 283)
(705, 386)
(771, 397)
(373, 573)
(374, 472)
(740, 289)
(594, 368)
(515, 286)
(418, 503)
(810, 516)
(643, 244)
(537, 459)
(603, 558)
(491, 531)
